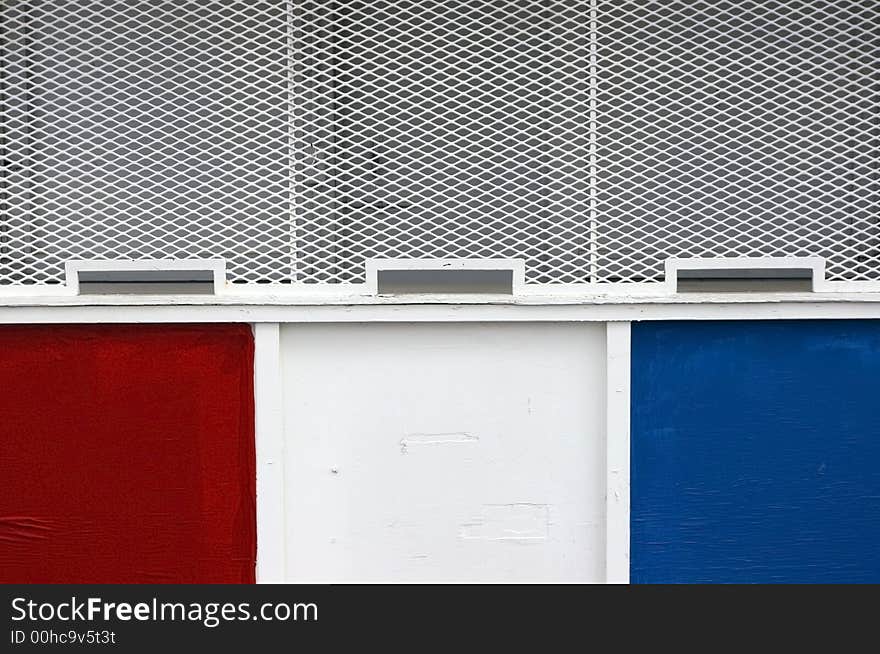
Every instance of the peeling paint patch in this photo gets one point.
(519, 522)
(436, 439)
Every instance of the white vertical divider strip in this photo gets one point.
(269, 453)
(293, 195)
(593, 130)
(617, 439)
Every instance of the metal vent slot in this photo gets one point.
(445, 281)
(145, 277)
(744, 274)
(473, 276)
(183, 282)
(745, 281)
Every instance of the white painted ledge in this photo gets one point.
(42, 297)
(745, 309)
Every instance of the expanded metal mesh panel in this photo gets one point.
(299, 138)
(737, 128)
(438, 128)
(145, 129)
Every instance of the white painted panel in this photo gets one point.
(444, 452)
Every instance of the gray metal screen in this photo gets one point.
(145, 129)
(298, 139)
(737, 128)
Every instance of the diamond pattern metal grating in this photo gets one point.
(299, 138)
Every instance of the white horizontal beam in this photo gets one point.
(862, 306)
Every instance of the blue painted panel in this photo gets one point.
(756, 451)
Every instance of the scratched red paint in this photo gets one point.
(127, 454)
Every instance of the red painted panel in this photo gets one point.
(127, 454)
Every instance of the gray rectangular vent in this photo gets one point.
(445, 281)
(200, 276)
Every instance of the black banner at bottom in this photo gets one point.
(145, 618)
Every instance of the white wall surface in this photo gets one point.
(444, 452)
